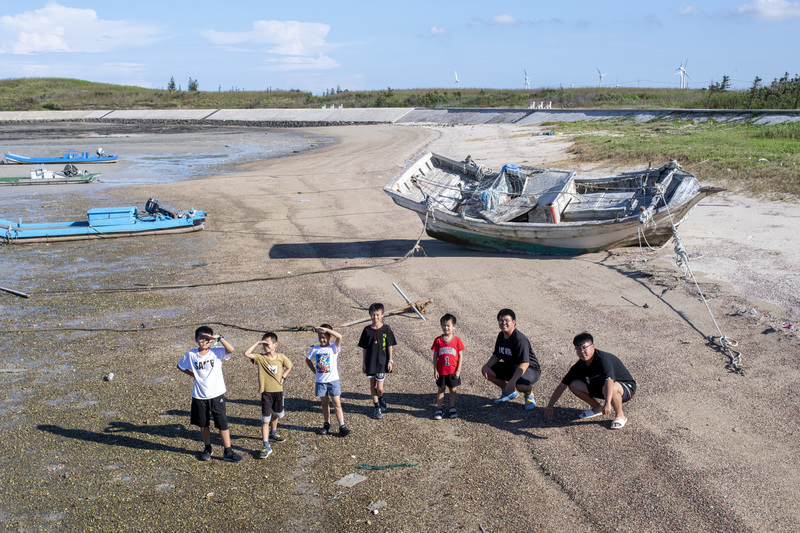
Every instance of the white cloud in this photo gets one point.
(771, 9)
(687, 10)
(297, 45)
(56, 28)
(438, 31)
(505, 20)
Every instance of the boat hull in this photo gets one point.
(105, 223)
(49, 181)
(101, 235)
(564, 240)
(68, 157)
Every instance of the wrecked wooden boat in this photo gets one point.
(542, 210)
(106, 222)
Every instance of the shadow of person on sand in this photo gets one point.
(290, 405)
(477, 409)
(112, 436)
(471, 408)
(399, 402)
(233, 421)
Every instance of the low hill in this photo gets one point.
(33, 94)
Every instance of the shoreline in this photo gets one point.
(150, 154)
(298, 241)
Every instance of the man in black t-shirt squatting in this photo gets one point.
(513, 366)
(596, 374)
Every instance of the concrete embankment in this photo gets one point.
(345, 116)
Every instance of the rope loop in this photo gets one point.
(735, 356)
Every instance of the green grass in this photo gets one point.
(764, 160)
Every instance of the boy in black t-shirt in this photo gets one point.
(597, 374)
(376, 342)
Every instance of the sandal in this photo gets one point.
(438, 414)
(589, 413)
(618, 423)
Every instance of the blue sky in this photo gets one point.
(356, 45)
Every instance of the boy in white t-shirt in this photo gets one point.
(323, 360)
(204, 364)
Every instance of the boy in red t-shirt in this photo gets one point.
(448, 354)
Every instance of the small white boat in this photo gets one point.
(545, 211)
(42, 176)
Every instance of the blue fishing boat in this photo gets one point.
(70, 156)
(105, 223)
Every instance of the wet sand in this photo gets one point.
(312, 238)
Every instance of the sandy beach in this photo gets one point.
(311, 238)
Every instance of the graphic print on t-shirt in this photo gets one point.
(447, 354)
(323, 362)
(201, 365)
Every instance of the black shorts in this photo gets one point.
(449, 380)
(203, 409)
(628, 391)
(271, 404)
(505, 371)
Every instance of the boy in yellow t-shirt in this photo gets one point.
(273, 369)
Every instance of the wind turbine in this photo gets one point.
(601, 77)
(682, 72)
(457, 86)
(527, 79)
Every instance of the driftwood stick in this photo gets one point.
(420, 305)
(408, 301)
(15, 293)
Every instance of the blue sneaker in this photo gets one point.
(266, 449)
(275, 437)
(530, 402)
(507, 397)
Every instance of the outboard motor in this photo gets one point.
(155, 208)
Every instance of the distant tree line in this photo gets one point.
(191, 86)
(782, 93)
